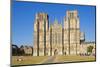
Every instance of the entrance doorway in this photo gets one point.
(55, 52)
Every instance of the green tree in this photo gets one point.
(89, 49)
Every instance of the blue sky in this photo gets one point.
(23, 15)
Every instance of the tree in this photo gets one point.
(21, 50)
(14, 50)
(89, 49)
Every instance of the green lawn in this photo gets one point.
(40, 59)
(28, 60)
(75, 58)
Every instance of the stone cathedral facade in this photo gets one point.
(57, 39)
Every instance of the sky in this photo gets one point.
(23, 17)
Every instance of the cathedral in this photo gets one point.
(59, 39)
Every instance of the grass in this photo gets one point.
(28, 60)
(39, 60)
(75, 58)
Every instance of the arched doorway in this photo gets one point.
(55, 52)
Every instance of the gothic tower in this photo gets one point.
(40, 31)
(71, 33)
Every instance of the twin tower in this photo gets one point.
(57, 39)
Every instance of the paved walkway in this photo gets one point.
(50, 60)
